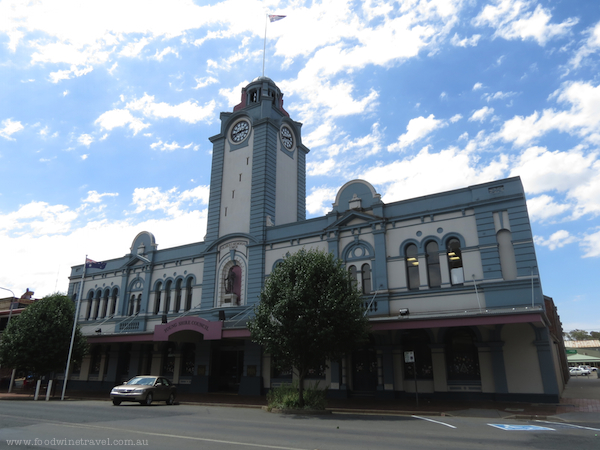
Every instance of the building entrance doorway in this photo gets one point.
(364, 371)
(228, 362)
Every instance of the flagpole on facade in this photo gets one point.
(64, 388)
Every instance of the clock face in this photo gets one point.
(240, 131)
(287, 138)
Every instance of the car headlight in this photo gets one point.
(137, 391)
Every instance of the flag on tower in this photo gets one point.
(274, 18)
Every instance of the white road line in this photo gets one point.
(434, 421)
(149, 433)
(569, 425)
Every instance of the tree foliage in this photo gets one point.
(309, 312)
(581, 335)
(38, 339)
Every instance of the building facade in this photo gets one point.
(450, 282)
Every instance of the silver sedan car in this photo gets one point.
(144, 389)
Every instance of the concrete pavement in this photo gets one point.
(580, 402)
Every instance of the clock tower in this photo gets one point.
(258, 180)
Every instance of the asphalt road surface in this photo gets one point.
(100, 425)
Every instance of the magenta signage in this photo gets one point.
(210, 330)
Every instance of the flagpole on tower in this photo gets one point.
(271, 18)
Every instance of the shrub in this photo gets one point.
(287, 396)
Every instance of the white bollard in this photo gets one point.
(37, 389)
(49, 390)
(12, 380)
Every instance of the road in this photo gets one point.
(99, 424)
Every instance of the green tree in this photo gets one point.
(38, 339)
(578, 335)
(309, 312)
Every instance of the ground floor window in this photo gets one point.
(462, 357)
(417, 341)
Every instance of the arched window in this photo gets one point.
(113, 302)
(506, 250)
(96, 305)
(131, 306)
(412, 266)
(104, 304)
(455, 263)
(366, 279)
(188, 294)
(138, 304)
(88, 311)
(432, 255)
(178, 295)
(462, 356)
(168, 296)
(353, 275)
(157, 294)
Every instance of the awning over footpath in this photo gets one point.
(582, 358)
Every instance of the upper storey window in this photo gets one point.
(412, 266)
(455, 263)
(433, 264)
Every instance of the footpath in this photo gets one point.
(580, 402)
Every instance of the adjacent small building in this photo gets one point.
(449, 282)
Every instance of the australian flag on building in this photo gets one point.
(91, 264)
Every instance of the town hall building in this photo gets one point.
(449, 282)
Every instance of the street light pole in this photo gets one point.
(12, 377)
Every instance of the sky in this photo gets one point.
(106, 108)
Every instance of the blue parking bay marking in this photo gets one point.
(520, 427)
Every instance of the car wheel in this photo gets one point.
(149, 399)
(171, 399)
(116, 402)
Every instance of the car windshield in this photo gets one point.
(144, 381)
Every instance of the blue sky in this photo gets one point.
(106, 109)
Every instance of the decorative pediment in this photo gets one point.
(352, 217)
(136, 260)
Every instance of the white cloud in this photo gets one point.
(481, 114)
(320, 199)
(120, 118)
(591, 244)
(95, 197)
(556, 240)
(416, 130)
(590, 46)
(170, 202)
(60, 75)
(582, 119)
(205, 81)
(465, 42)
(159, 56)
(166, 147)
(428, 173)
(544, 207)
(188, 111)
(133, 49)
(513, 19)
(498, 96)
(85, 139)
(573, 172)
(477, 86)
(37, 219)
(10, 127)
(455, 118)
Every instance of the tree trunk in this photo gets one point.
(301, 389)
